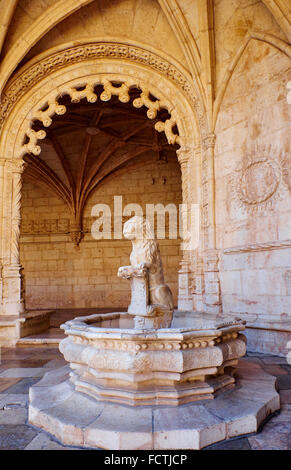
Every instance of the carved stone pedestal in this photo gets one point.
(146, 316)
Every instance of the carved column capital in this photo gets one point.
(183, 155)
(16, 165)
(208, 141)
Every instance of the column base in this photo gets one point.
(12, 301)
(185, 303)
(185, 299)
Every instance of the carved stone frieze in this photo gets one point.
(47, 226)
(274, 245)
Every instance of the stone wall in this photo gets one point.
(253, 188)
(57, 274)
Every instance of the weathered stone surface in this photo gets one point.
(233, 444)
(241, 415)
(121, 428)
(10, 400)
(284, 382)
(274, 360)
(275, 370)
(67, 419)
(17, 436)
(186, 427)
(285, 396)
(7, 383)
(9, 364)
(13, 416)
(44, 442)
(21, 386)
(56, 363)
(276, 435)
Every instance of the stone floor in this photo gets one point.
(23, 366)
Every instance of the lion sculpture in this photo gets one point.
(146, 261)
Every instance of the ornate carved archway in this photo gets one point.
(33, 95)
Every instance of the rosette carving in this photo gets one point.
(258, 183)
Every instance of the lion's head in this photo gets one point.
(140, 232)
(138, 228)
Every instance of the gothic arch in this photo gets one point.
(146, 59)
(33, 95)
(50, 17)
(251, 35)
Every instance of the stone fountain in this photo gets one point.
(145, 378)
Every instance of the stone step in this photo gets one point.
(35, 322)
(52, 337)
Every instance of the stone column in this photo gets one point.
(198, 277)
(184, 274)
(13, 303)
(199, 286)
(2, 163)
(212, 297)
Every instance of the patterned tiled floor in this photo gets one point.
(23, 366)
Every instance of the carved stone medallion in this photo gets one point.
(259, 181)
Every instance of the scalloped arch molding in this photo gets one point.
(40, 83)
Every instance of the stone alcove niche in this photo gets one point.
(37, 102)
(85, 150)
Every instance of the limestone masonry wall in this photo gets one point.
(253, 192)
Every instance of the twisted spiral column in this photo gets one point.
(2, 163)
(184, 275)
(12, 299)
(17, 168)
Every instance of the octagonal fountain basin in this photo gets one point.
(193, 360)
